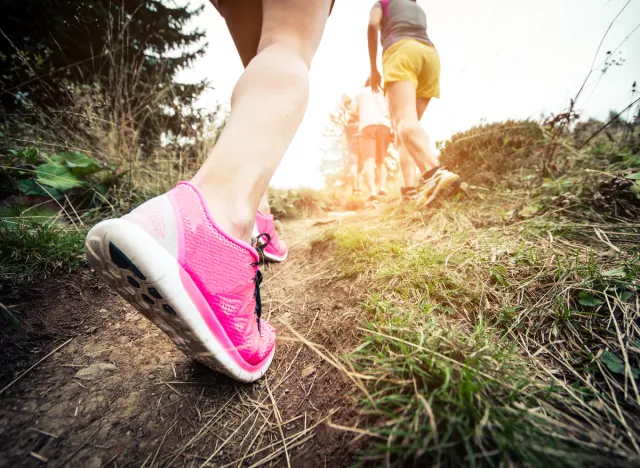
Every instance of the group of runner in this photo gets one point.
(411, 69)
(189, 259)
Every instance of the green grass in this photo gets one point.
(30, 251)
(493, 340)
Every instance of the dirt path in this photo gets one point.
(116, 392)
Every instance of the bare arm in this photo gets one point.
(375, 20)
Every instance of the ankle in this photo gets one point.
(264, 207)
(233, 216)
(429, 173)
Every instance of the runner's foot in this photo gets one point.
(443, 184)
(170, 261)
(409, 193)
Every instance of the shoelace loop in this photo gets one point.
(258, 278)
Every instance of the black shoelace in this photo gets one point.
(258, 278)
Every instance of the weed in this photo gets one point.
(32, 250)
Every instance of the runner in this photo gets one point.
(184, 259)
(411, 67)
(375, 137)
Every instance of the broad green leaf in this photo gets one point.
(79, 163)
(616, 365)
(589, 300)
(30, 187)
(75, 159)
(613, 362)
(626, 295)
(530, 210)
(615, 273)
(57, 176)
(634, 176)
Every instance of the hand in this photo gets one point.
(376, 80)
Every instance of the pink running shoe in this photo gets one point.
(170, 261)
(273, 249)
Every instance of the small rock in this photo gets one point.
(94, 371)
(45, 407)
(93, 462)
(307, 371)
(285, 317)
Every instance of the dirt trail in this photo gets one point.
(120, 394)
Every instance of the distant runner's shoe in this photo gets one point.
(372, 201)
(439, 187)
(409, 193)
(382, 194)
(272, 248)
(169, 259)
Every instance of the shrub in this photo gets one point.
(482, 154)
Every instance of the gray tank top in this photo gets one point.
(402, 19)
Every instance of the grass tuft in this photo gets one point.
(31, 251)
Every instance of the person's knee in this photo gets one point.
(409, 130)
(290, 43)
(279, 67)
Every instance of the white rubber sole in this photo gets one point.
(442, 191)
(148, 277)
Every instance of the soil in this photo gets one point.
(112, 390)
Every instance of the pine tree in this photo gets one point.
(129, 49)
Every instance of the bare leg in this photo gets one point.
(381, 176)
(354, 179)
(383, 140)
(408, 167)
(403, 106)
(369, 175)
(263, 206)
(267, 104)
(368, 150)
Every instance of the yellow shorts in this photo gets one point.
(416, 62)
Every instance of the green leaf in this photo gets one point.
(589, 300)
(634, 176)
(613, 362)
(80, 164)
(615, 273)
(57, 176)
(626, 295)
(616, 365)
(530, 210)
(30, 187)
(75, 159)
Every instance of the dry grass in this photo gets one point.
(498, 338)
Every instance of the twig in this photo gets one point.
(608, 123)
(279, 420)
(35, 365)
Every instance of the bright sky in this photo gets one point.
(501, 59)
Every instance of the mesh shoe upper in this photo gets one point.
(223, 269)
